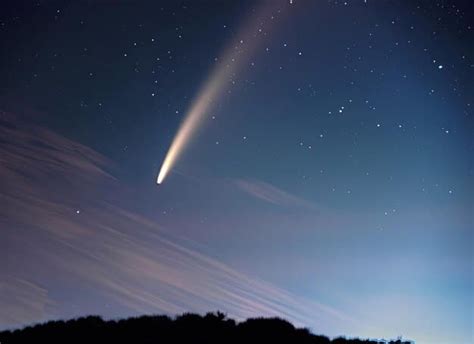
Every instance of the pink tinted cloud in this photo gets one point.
(272, 194)
(115, 254)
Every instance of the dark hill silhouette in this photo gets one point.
(212, 328)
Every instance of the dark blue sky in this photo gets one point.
(329, 183)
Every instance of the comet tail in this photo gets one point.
(233, 58)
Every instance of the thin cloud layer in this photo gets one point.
(82, 241)
(271, 194)
(22, 301)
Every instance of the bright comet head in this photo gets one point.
(160, 178)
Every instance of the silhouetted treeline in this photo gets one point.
(187, 328)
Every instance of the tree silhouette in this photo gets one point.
(211, 328)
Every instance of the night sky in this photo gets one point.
(329, 181)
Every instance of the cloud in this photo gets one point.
(106, 251)
(22, 301)
(271, 194)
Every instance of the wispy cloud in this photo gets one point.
(106, 251)
(272, 194)
(22, 301)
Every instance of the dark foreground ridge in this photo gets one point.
(187, 328)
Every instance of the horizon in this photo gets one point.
(217, 315)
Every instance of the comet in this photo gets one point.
(231, 61)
